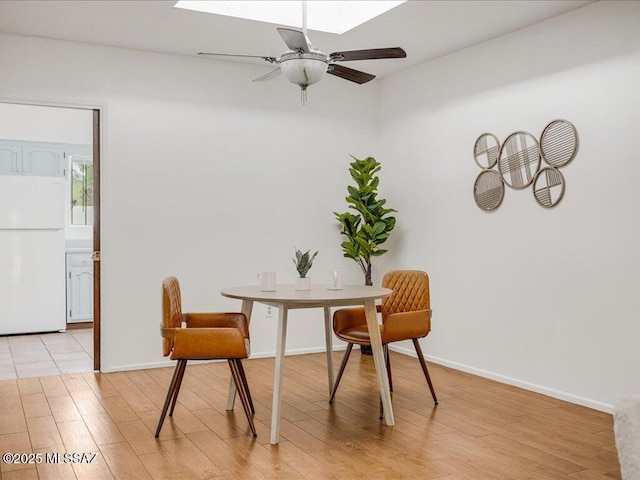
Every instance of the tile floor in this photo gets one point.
(38, 355)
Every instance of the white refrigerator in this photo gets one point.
(32, 254)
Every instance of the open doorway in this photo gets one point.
(49, 240)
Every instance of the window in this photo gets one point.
(81, 190)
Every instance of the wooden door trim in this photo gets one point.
(96, 239)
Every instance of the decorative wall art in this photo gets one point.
(486, 150)
(548, 187)
(488, 190)
(519, 162)
(559, 143)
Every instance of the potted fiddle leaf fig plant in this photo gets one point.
(303, 263)
(371, 224)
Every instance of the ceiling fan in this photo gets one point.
(304, 65)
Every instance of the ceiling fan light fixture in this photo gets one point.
(303, 64)
(304, 69)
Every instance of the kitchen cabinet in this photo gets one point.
(10, 154)
(32, 158)
(43, 161)
(79, 287)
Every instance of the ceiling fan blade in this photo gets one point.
(294, 39)
(370, 54)
(269, 75)
(266, 59)
(350, 74)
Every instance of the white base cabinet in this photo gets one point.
(79, 287)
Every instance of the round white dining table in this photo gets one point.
(286, 298)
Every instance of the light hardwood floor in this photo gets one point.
(481, 429)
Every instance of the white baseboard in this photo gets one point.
(137, 366)
(171, 363)
(568, 397)
(603, 407)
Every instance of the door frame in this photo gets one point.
(98, 114)
(96, 239)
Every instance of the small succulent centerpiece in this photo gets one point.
(303, 263)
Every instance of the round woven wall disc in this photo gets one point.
(519, 159)
(559, 143)
(486, 150)
(488, 190)
(548, 187)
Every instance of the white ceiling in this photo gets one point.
(425, 29)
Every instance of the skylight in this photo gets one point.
(324, 16)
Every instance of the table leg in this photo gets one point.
(378, 359)
(328, 333)
(247, 307)
(277, 376)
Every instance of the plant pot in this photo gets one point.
(302, 284)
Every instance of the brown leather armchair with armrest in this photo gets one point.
(406, 315)
(207, 336)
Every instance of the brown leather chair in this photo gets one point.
(406, 315)
(207, 336)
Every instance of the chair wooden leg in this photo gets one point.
(243, 376)
(235, 373)
(170, 393)
(423, 364)
(388, 361)
(182, 367)
(345, 359)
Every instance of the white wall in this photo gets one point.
(45, 124)
(546, 299)
(228, 176)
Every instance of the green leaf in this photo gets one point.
(388, 210)
(368, 230)
(350, 249)
(390, 222)
(353, 191)
(365, 246)
(379, 227)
